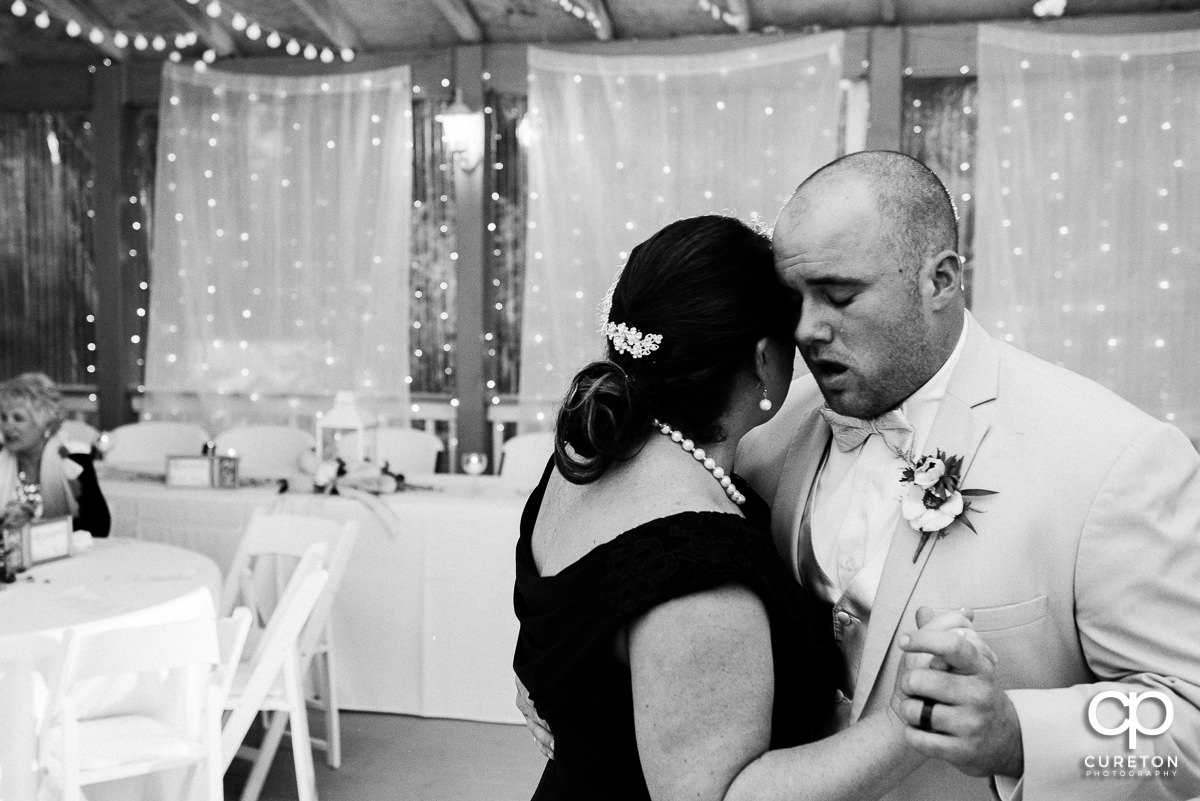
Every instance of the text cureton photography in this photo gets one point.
(1130, 723)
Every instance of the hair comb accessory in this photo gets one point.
(626, 339)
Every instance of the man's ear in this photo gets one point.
(944, 276)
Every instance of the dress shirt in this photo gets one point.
(856, 504)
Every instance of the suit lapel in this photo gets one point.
(957, 429)
(791, 495)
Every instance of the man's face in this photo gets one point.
(863, 328)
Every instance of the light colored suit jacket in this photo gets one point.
(1084, 574)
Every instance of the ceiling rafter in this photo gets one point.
(596, 12)
(211, 33)
(87, 16)
(8, 53)
(461, 18)
(331, 20)
(887, 11)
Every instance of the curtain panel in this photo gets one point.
(281, 246)
(47, 274)
(620, 145)
(1088, 249)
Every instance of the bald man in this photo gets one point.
(1083, 569)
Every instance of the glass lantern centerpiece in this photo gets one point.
(345, 431)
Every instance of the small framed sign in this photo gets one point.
(202, 471)
(189, 471)
(50, 539)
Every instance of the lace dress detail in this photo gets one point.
(565, 654)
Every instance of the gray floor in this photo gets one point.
(402, 758)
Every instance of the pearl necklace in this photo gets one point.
(707, 461)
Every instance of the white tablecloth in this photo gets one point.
(117, 582)
(423, 623)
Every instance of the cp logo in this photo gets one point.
(1132, 722)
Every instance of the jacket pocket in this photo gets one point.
(1010, 616)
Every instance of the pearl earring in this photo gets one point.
(765, 404)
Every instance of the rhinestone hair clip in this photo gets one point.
(626, 339)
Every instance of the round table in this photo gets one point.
(117, 582)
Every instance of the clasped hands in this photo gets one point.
(949, 700)
(970, 723)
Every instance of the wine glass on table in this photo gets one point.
(474, 464)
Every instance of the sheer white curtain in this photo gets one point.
(1089, 201)
(281, 246)
(620, 145)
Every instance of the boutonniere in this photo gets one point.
(932, 498)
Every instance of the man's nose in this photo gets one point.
(812, 328)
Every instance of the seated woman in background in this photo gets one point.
(34, 461)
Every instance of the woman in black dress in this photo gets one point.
(662, 640)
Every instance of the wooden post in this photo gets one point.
(114, 360)
(469, 296)
(886, 50)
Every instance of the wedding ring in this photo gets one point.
(926, 721)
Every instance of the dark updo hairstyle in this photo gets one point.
(707, 285)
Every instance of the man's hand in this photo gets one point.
(537, 727)
(974, 724)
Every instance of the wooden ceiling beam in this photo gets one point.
(461, 18)
(597, 16)
(210, 32)
(887, 12)
(332, 21)
(8, 55)
(88, 18)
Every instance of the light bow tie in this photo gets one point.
(850, 432)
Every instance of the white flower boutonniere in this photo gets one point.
(932, 498)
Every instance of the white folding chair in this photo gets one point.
(408, 451)
(232, 632)
(169, 719)
(266, 451)
(26, 660)
(148, 444)
(78, 436)
(262, 567)
(524, 458)
(271, 682)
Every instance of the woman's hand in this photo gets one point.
(941, 632)
(18, 513)
(537, 727)
(953, 704)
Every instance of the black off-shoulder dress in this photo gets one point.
(565, 654)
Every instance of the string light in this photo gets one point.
(579, 12)
(735, 21)
(158, 42)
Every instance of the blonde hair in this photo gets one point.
(38, 392)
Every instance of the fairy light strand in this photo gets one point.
(175, 43)
(580, 12)
(721, 14)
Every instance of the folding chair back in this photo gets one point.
(25, 660)
(161, 709)
(272, 681)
